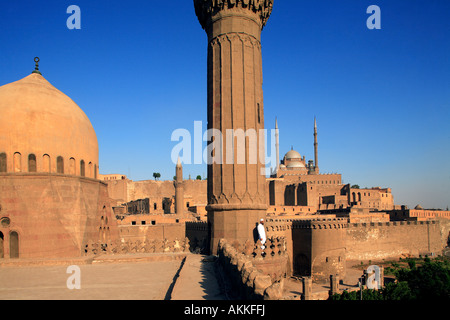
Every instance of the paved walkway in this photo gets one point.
(198, 280)
(139, 277)
(182, 276)
(127, 277)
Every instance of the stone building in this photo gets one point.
(51, 201)
(296, 182)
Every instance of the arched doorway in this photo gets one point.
(13, 244)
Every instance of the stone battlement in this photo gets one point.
(326, 223)
(248, 277)
(198, 226)
(394, 223)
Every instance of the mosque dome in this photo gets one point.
(43, 130)
(295, 164)
(293, 159)
(292, 155)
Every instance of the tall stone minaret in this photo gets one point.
(236, 191)
(316, 163)
(179, 188)
(277, 145)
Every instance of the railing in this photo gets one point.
(138, 246)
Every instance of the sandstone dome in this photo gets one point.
(43, 130)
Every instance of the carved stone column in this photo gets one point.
(236, 183)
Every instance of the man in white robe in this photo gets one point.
(262, 233)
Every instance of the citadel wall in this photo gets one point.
(382, 240)
(319, 247)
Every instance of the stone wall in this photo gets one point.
(53, 215)
(166, 231)
(156, 191)
(321, 251)
(136, 246)
(255, 274)
(198, 235)
(319, 247)
(372, 241)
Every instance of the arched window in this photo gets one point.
(60, 164)
(90, 170)
(72, 166)
(82, 169)
(259, 114)
(13, 244)
(359, 196)
(31, 163)
(3, 163)
(354, 197)
(46, 163)
(17, 162)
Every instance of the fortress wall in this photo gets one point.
(372, 241)
(318, 250)
(319, 247)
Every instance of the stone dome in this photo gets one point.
(43, 130)
(292, 154)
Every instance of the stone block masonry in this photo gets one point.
(251, 276)
(373, 241)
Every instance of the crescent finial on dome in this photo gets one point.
(36, 68)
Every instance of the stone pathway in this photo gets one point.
(139, 277)
(198, 280)
(120, 277)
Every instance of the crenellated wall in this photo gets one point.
(371, 241)
(320, 246)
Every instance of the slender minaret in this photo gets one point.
(179, 188)
(277, 145)
(236, 191)
(316, 163)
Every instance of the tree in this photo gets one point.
(397, 291)
(156, 175)
(355, 186)
(430, 281)
(199, 177)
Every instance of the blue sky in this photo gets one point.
(138, 70)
